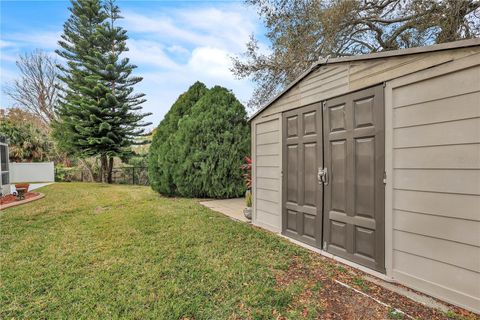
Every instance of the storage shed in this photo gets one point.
(376, 160)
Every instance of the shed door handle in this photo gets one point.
(322, 176)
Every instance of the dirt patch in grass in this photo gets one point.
(323, 298)
(320, 275)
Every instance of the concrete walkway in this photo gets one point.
(229, 207)
(33, 186)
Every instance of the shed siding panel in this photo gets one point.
(436, 185)
(267, 183)
(463, 156)
(268, 160)
(454, 253)
(268, 172)
(438, 180)
(268, 220)
(267, 138)
(441, 204)
(454, 132)
(267, 149)
(458, 230)
(268, 195)
(368, 73)
(324, 72)
(439, 273)
(267, 206)
(326, 82)
(438, 111)
(458, 83)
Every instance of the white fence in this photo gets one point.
(31, 172)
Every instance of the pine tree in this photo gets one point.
(99, 113)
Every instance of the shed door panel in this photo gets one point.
(355, 160)
(302, 156)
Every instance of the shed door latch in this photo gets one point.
(322, 176)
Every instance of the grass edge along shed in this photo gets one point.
(376, 160)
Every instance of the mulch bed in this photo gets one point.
(11, 198)
(340, 302)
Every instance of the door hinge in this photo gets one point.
(384, 177)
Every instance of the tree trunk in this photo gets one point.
(110, 169)
(103, 168)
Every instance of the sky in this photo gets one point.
(173, 43)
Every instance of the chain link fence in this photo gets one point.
(120, 175)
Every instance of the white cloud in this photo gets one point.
(229, 27)
(186, 45)
(5, 44)
(45, 40)
(225, 28)
(172, 49)
(148, 52)
(178, 50)
(212, 62)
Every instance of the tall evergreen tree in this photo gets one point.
(162, 153)
(210, 145)
(99, 112)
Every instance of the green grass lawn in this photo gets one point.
(97, 251)
(89, 251)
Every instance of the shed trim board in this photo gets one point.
(431, 161)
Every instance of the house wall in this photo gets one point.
(433, 197)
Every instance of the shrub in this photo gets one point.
(27, 143)
(247, 172)
(67, 174)
(161, 160)
(210, 145)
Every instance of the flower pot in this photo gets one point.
(247, 212)
(24, 186)
(22, 189)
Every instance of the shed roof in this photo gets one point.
(377, 55)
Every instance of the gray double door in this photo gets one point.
(333, 172)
